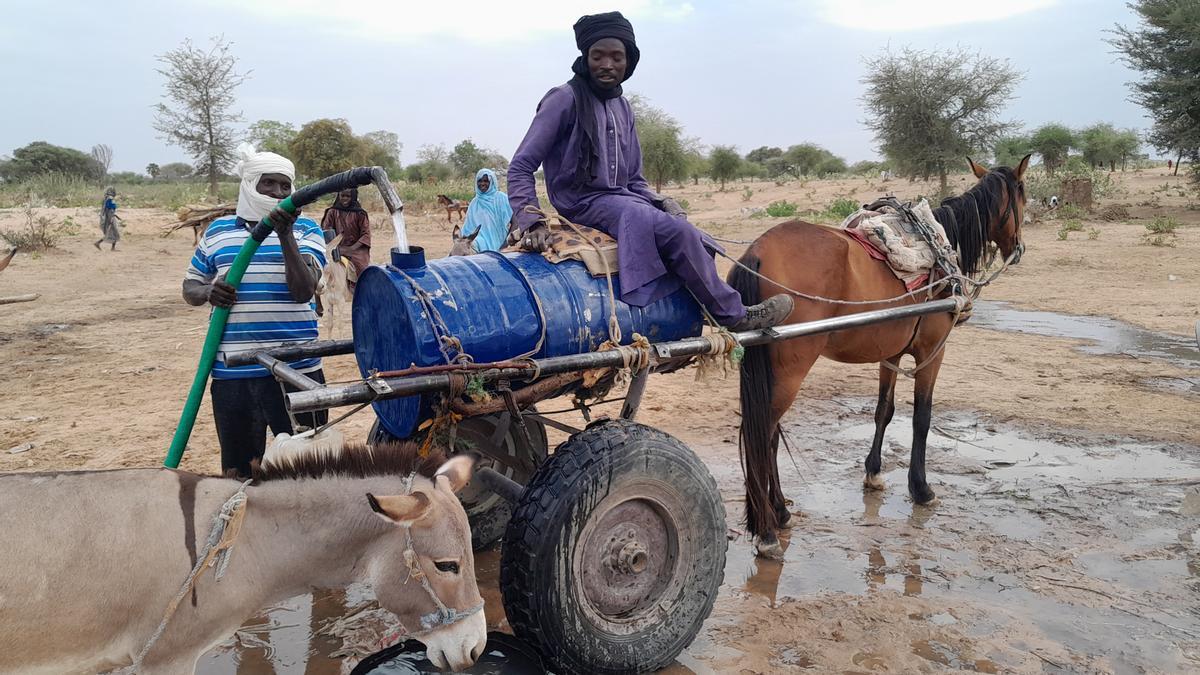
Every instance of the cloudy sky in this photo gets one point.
(747, 73)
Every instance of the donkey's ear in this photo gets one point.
(471, 237)
(979, 171)
(400, 509)
(1022, 166)
(457, 471)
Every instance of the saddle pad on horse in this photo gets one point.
(595, 249)
(888, 236)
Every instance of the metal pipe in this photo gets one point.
(283, 371)
(506, 488)
(295, 352)
(391, 200)
(388, 388)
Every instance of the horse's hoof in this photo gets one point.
(924, 497)
(770, 550)
(874, 481)
(785, 520)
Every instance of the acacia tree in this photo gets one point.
(664, 156)
(1010, 150)
(930, 109)
(724, 163)
(1053, 142)
(103, 156)
(198, 115)
(1165, 48)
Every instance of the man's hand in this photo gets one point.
(536, 238)
(282, 221)
(221, 294)
(672, 208)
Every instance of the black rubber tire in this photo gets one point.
(609, 465)
(489, 515)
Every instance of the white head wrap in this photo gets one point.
(250, 168)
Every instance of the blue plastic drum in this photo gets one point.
(498, 306)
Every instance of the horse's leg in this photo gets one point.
(791, 363)
(884, 409)
(918, 488)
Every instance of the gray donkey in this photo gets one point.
(94, 565)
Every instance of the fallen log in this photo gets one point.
(28, 297)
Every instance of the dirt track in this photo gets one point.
(1068, 481)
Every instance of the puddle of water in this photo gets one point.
(1105, 335)
(504, 655)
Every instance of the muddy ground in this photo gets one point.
(1064, 451)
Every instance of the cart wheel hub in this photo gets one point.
(629, 557)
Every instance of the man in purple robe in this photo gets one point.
(584, 136)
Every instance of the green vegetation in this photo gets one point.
(39, 233)
(1163, 225)
(1053, 142)
(931, 109)
(842, 208)
(724, 163)
(782, 209)
(40, 158)
(1068, 227)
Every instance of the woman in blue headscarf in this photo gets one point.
(488, 214)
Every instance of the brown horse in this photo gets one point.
(824, 261)
(453, 206)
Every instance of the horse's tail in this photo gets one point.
(756, 436)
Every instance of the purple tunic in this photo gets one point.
(658, 252)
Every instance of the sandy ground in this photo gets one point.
(1063, 540)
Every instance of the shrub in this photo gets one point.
(1069, 211)
(39, 232)
(781, 209)
(747, 194)
(1162, 225)
(842, 208)
(1068, 227)
(1093, 234)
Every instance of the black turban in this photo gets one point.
(592, 28)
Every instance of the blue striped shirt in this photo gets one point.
(265, 315)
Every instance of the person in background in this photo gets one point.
(108, 220)
(273, 307)
(489, 213)
(348, 218)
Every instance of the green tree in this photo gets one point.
(199, 115)
(176, 170)
(697, 163)
(467, 159)
(661, 136)
(761, 154)
(271, 136)
(153, 170)
(724, 163)
(1129, 144)
(1053, 142)
(433, 164)
(1100, 145)
(928, 110)
(1165, 49)
(1010, 150)
(380, 148)
(40, 157)
(323, 147)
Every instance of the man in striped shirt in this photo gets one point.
(272, 307)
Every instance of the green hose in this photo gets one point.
(220, 315)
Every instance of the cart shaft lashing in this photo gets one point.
(323, 397)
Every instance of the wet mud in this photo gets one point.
(1047, 551)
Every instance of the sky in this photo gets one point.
(746, 73)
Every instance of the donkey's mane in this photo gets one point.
(966, 216)
(356, 460)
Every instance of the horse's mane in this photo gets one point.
(356, 460)
(966, 216)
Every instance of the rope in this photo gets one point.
(721, 343)
(227, 524)
(911, 373)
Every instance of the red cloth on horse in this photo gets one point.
(876, 254)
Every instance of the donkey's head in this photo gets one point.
(462, 245)
(424, 573)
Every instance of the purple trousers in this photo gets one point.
(658, 253)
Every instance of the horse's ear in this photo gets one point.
(1022, 166)
(979, 171)
(400, 509)
(456, 471)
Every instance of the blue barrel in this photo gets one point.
(494, 304)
